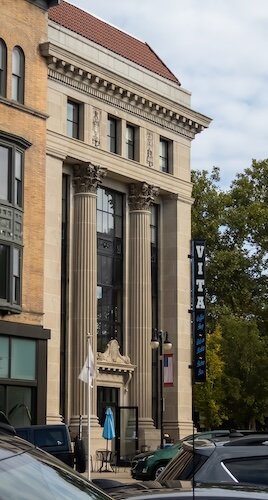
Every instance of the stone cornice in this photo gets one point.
(181, 120)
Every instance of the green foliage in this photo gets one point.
(209, 397)
(235, 226)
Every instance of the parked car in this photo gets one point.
(206, 492)
(54, 439)
(244, 459)
(237, 460)
(147, 466)
(29, 473)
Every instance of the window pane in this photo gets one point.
(15, 87)
(112, 135)
(19, 405)
(73, 119)
(17, 62)
(23, 359)
(18, 179)
(4, 350)
(17, 74)
(4, 173)
(4, 267)
(16, 276)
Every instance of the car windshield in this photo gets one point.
(34, 475)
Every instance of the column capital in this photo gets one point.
(142, 195)
(87, 177)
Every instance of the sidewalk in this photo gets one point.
(121, 474)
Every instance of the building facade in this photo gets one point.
(118, 222)
(95, 215)
(23, 115)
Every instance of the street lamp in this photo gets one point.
(161, 342)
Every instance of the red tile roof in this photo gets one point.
(110, 37)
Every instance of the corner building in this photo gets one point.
(23, 115)
(118, 219)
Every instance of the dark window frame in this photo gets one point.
(18, 75)
(110, 215)
(74, 125)
(154, 230)
(3, 68)
(132, 144)
(164, 157)
(113, 131)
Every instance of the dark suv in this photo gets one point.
(243, 459)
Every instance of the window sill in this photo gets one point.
(6, 308)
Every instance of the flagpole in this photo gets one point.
(89, 381)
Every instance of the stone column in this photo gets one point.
(85, 181)
(141, 196)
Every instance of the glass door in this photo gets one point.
(127, 434)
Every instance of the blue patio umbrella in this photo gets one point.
(108, 428)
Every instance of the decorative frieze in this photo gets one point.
(103, 89)
(87, 177)
(141, 196)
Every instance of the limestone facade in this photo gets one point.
(111, 125)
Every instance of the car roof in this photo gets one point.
(205, 491)
(13, 445)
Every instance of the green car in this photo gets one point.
(147, 466)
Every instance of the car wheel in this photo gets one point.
(158, 470)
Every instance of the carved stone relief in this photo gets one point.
(142, 195)
(112, 354)
(96, 128)
(149, 148)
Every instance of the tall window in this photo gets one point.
(154, 275)
(110, 266)
(18, 75)
(3, 67)
(74, 119)
(11, 164)
(112, 135)
(11, 220)
(164, 155)
(130, 142)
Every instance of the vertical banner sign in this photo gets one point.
(198, 307)
(168, 370)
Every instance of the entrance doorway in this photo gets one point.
(126, 442)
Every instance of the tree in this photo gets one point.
(234, 224)
(245, 358)
(208, 397)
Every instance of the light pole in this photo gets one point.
(161, 342)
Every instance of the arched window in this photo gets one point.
(18, 75)
(3, 67)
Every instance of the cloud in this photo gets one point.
(218, 50)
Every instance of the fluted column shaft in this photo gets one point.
(86, 179)
(84, 299)
(140, 292)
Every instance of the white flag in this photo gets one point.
(88, 371)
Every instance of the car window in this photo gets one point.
(182, 467)
(249, 470)
(34, 476)
(46, 437)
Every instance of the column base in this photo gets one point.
(179, 429)
(149, 436)
(54, 419)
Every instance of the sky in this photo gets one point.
(218, 49)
